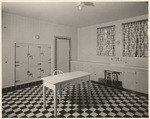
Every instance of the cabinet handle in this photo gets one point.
(17, 65)
(42, 53)
(28, 72)
(17, 46)
(39, 63)
(31, 56)
(28, 54)
(17, 80)
(42, 70)
(31, 74)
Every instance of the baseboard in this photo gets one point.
(130, 91)
(17, 87)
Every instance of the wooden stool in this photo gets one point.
(108, 76)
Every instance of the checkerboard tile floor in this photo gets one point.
(104, 102)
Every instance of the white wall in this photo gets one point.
(87, 45)
(19, 29)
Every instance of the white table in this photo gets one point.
(61, 81)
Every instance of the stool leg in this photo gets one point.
(77, 88)
(111, 78)
(105, 73)
(60, 96)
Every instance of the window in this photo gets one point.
(135, 39)
(105, 41)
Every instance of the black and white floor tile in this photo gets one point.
(105, 102)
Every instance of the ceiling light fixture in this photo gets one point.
(82, 4)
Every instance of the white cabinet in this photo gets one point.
(128, 79)
(136, 80)
(45, 53)
(32, 61)
(34, 55)
(34, 72)
(21, 72)
(142, 81)
(45, 69)
(21, 53)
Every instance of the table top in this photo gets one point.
(65, 77)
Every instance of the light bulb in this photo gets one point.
(80, 7)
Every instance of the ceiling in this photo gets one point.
(67, 13)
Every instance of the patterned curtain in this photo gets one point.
(135, 39)
(105, 41)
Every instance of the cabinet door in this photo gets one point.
(128, 78)
(21, 53)
(100, 74)
(142, 82)
(45, 53)
(45, 69)
(21, 72)
(34, 55)
(34, 72)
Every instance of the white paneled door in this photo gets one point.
(45, 69)
(34, 72)
(22, 72)
(22, 53)
(45, 53)
(34, 55)
(32, 61)
(63, 54)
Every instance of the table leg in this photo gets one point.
(60, 96)
(89, 88)
(55, 102)
(77, 89)
(44, 95)
(69, 94)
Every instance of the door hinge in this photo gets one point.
(17, 80)
(17, 46)
(39, 63)
(42, 53)
(17, 61)
(17, 65)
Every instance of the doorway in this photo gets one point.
(62, 53)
